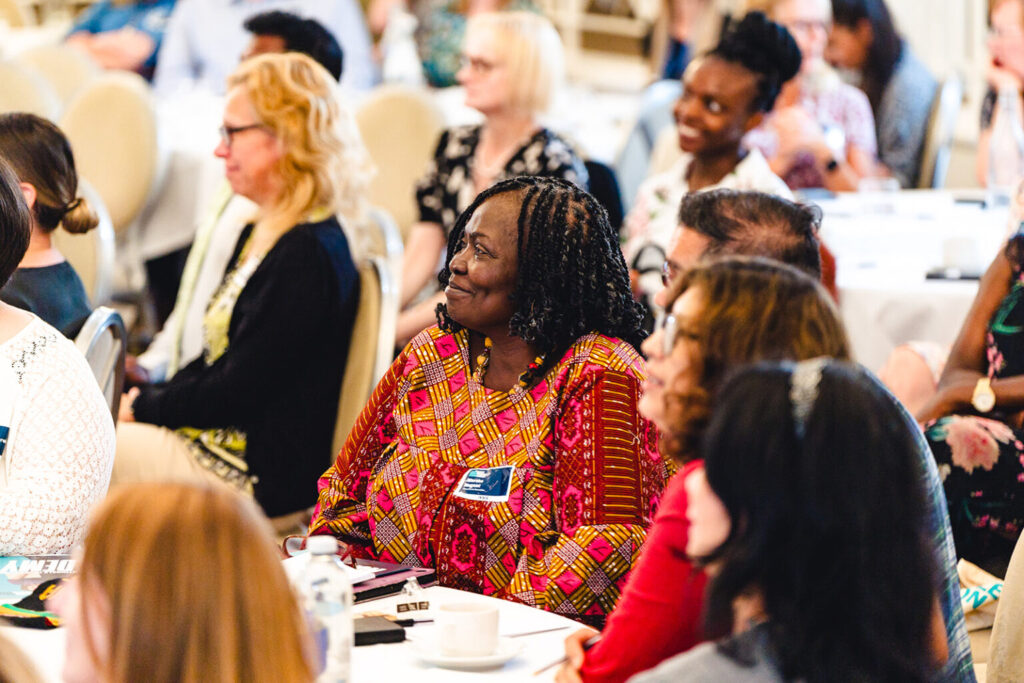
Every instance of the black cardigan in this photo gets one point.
(280, 378)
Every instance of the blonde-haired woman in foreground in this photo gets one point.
(257, 409)
(181, 583)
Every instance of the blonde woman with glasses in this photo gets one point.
(256, 410)
(511, 68)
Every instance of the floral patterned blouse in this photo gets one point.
(586, 476)
(981, 459)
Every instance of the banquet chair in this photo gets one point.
(111, 124)
(14, 13)
(386, 242)
(64, 67)
(399, 126)
(632, 164)
(102, 341)
(25, 89)
(91, 254)
(1006, 647)
(371, 346)
(665, 151)
(938, 141)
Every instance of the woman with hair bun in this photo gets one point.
(45, 283)
(726, 94)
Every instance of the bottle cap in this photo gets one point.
(322, 545)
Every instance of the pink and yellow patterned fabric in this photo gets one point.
(587, 475)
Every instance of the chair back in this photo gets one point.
(25, 89)
(1006, 646)
(111, 124)
(938, 141)
(102, 341)
(13, 12)
(399, 126)
(91, 254)
(653, 116)
(371, 345)
(386, 242)
(66, 68)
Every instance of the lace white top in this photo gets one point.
(60, 448)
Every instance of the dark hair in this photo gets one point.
(755, 224)
(307, 36)
(572, 276)
(828, 526)
(753, 309)
(15, 223)
(39, 154)
(764, 48)
(886, 45)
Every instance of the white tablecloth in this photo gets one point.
(884, 245)
(389, 662)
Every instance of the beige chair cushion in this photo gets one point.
(112, 127)
(400, 127)
(66, 68)
(14, 14)
(25, 89)
(362, 350)
(1006, 649)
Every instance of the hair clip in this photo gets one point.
(803, 390)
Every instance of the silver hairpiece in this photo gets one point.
(803, 390)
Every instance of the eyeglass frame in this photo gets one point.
(669, 328)
(477, 65)
(227, 133)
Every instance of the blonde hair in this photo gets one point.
(324, 163)
(769, 7)
(532, 52)
(15, 666)
(195, 588)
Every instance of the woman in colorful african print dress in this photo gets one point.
(973, 423)
(504, 447)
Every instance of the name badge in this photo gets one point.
(4, 431)
(486, 484)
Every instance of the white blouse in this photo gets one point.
(60, 447)
(653, 217)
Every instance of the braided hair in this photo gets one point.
(764, 48)
(572, 276)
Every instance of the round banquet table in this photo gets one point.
(884, 245)
(393, 661)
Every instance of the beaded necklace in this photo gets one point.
(484, 359)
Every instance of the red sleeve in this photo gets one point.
(659, 613)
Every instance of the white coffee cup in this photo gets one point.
(467, 629)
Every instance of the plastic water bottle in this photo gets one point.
(328, 597)
(1006, 149)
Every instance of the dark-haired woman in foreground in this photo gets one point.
(899, 87)
(809, 518)
(726, 93)
(506, 438)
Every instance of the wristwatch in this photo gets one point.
(983, 399)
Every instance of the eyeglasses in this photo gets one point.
(228, 133)
(669, 271)
(477, 65)
(668, 327)
(808, 25)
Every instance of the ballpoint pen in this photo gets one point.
(587, 644)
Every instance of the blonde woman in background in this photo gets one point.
(45, 283)
(821, 132)
(181, 583)
(257, 409)
(512, 67)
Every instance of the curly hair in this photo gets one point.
(764, 48)
(572, 276)
(752, 309)
(324, 163)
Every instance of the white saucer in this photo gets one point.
(428, 650)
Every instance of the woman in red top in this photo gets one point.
(722, 315)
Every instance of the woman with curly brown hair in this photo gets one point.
(722, 314)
